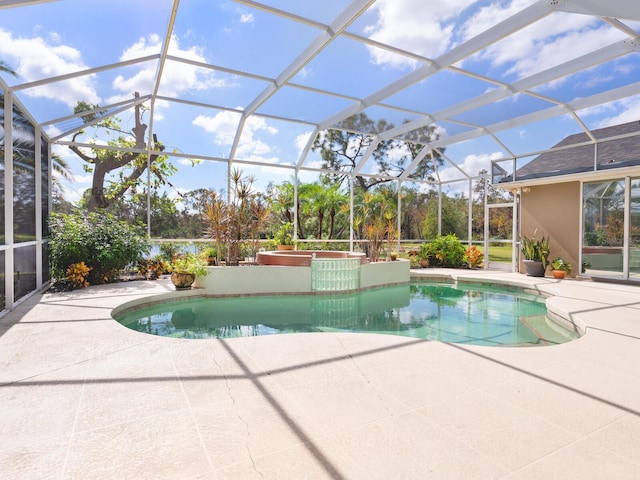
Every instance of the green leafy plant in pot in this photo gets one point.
(210, 254)
(284, 237)
(185, 268)
(536, 253)
(560, 268)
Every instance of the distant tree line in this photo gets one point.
(322, 210)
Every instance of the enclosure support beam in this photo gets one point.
(9, 291)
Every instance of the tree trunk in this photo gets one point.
(332, 222)
(320, 222)
(97, 198)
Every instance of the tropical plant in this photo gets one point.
(597, 237)
(237, 221)
(215, 215)
(210, 254)
(444, 251)
(151, 268)
(391, 232)
(4, 67)
(284, 235)
(77, 275)
(473, 257)
(105, 244)
(559, 264)
(536, 249)
(423, 255)
(375, 221)
(189, 263)
(414, 260)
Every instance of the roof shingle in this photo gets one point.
(616, 153)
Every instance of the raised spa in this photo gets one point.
(303, 258)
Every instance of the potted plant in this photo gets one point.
(210, 254)
(424, 255)
(536, 253)
(284, 237)
(185, 268)
(560, 268)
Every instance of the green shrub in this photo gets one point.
(103, 243)
(414, 260)
(171, 250)
(444, 251)
(209, 252)
(596, 237)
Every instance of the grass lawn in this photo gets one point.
(498, 253)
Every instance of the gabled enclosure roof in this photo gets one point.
(252, 83)
(618, 147)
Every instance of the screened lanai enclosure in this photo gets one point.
(145, 107)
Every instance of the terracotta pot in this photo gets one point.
(559, 273)
(182, 280)
(286, 247)
(424, 263)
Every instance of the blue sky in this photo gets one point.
(65, 36)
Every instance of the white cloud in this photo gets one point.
(36, 58)
(414, 25)
(398, 151)
(83, 179)
(247, 18)
(491, 15)
(301, 141)
(306, 72)
(615, 113)
(224, 127)
(472, 164)
(177, 78)
(541, 45)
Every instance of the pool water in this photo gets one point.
(470, 314)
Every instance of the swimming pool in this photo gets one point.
(471, 314)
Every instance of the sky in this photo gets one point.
(66, 36)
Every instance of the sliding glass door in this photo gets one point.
(634, 229)
(611, 228)
(603, 228)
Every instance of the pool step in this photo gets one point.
(548, 331)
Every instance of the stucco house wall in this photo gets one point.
(550, 184)
(554, 210)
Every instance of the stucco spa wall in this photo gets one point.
(555, 211)
(279, 279)
(384, 273)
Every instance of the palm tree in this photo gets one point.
(5, 68)
(335, 200)
(24, 142)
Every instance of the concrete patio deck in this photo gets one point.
(82, 397)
